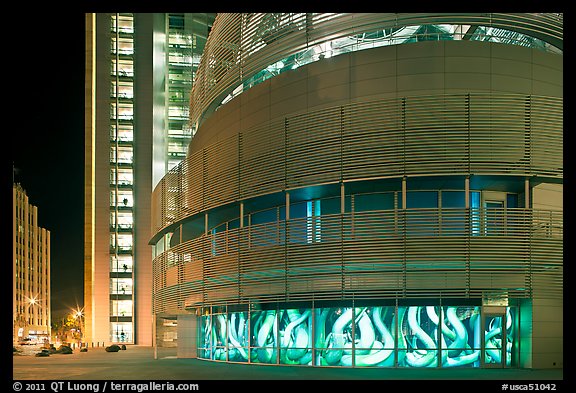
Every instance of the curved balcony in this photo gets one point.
(411, 253)
(459, 134)
(243, 45)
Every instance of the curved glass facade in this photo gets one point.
(361, 336)
(252, 47)
(393, 36)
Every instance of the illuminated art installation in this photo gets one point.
(359, 336)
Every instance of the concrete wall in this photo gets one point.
(547, 315)
(547, 334)
(187, 336)
(548, 196)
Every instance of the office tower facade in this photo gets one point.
(138, 67)
(31, 272)
(369, 190)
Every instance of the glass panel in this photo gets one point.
(475, 212)
(429, 336)
(125, 154)
(125, 220)
(124, 241)
(421, 199)
(121, 286)
(219, 337)
(333, 336)
(121, 332)
(510, 336)
(460, 335)
(125, 198)
(453, 199)
(125, 133)
(263, 216)
(374, 340)
(296, 336)
(511, 201)
(330, 205)
(125, 46)
(121, 263)
(126, 68)
(121, 308)
(238, 338)
(263, 336)
(298, 210)
(493, 339)
(379, 201)
(419, 334)
(204, 348)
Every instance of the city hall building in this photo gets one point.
(368, 190)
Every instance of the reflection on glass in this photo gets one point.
(374, 336)
(333, 334)
(238, 337)
(205, 334)
(493, 339)
(219, 337)
(494, 343)
(460, 336)
(420, 335)
(509, 335)
(263, 327)
(296, 336)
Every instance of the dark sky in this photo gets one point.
(48, 142)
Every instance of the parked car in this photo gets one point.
(27, 341)
(112, 348)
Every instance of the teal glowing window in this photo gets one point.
(377, 201)
(263, 217)
(453, 199)
(387, 37)
(298, 210)
(511, 201)
(421, 199)
(475, 212)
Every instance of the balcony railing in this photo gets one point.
(378, 254)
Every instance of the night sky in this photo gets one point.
(48, 143)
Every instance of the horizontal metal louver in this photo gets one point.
(458, 134)
(377, 255)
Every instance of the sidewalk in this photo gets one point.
(138, 363)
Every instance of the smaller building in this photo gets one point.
(31, 272)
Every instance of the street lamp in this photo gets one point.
(78, 315)
(32, 301)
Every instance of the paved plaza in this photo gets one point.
(138, 363)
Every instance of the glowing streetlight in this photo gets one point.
(32, 300)
(78, 313)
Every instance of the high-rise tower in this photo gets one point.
(31, 271)
(139, 70)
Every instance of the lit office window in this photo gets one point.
(124, 199)
(121, 308)
(121, 263)
(121, 154)
(121, 286)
